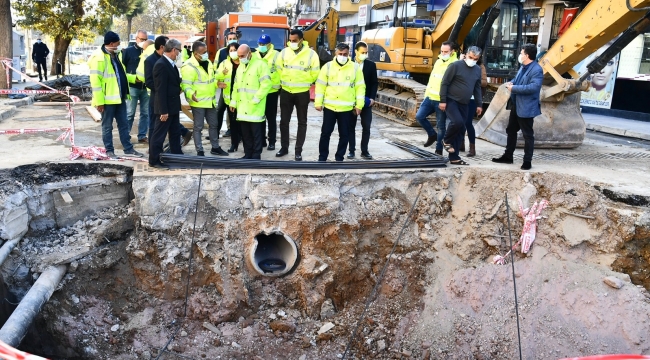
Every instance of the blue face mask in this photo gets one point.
(262, 48)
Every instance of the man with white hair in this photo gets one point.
(461, 80)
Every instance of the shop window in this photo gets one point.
(558, 13)
(644, 67)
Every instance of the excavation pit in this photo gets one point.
(128, 265)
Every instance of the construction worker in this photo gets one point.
(131, 59)
(198, 84)
(432, 98)
(252, 85)
(298, 66)
(223, 54)
(225, 76)
(110, 93)
(340, 88)
(266, 51)
(187, 53)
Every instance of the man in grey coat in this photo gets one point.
(524, 105)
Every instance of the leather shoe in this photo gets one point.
(144, 140)
(200, 153)
(232, 148)
(503, 160)
(227, 133)
(526, 165)
(438, 152)
(298, 157)
(271, 147)
(366, 156)
(431, 140)
(186, 138)
(282, 152)
(351, 155)
(160, 166)
(218, 151)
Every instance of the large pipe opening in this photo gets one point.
(273, 254)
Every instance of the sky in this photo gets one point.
(270, 5)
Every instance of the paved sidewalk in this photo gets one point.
(618, 126)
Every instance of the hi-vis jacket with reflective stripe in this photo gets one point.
(298, 71)
(196, 81)
(340, 88)
(103, 81)
(439, 68)
(252, 84)
(271, 59)
(139, 73)
(225, 78)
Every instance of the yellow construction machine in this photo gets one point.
(410, 50)
(321, 35)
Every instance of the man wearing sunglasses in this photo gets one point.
(137, 90)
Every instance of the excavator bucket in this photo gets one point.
(560, 126)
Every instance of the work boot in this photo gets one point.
(526, 165)
(503, 159)
(472, 150)
(431, 140)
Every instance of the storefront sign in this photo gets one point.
(363, 15)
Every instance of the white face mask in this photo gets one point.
(294, 46)
(38, 41)
(521, 58)
(233, 55)
(362, 57)
(470, 62)
(116, 49)
(341, 59)
(245, 60)
(444, 57)
(205, 57)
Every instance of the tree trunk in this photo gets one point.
(60, 51)
(7, 42)
(129, 23)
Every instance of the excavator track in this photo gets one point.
(399, 100)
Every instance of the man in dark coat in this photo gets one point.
(167, 103)
(370, 78)
(39, 56)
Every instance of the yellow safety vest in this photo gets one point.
(271, 59)
(340, 88)
(225, 78)
(252, 84)
(298, 71)
(139, 72)
(103, 81)
(435, 80)
(196, 81)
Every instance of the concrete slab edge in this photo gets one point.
(13, 104)
(619, 132)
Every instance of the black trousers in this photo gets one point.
(516, 123)
(235, 128)
(271, 114)
(252, 134)
(456, 115)
(41, 64)
(221, 109)
(331, 118)
(366, 120)
(287, 103)
(160, 131)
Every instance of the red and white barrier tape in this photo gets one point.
(76, 152)
(9, 353)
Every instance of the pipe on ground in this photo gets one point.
(16, 327)
(6, 248)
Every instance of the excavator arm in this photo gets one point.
(561, 124)
(329, 22)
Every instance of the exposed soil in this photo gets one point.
(441, 297)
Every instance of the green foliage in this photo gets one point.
(161, 16)
(214, 9)
(68, 19)
(139, 7)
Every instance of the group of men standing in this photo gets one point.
(251, 82)
(454, 94)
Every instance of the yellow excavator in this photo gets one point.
(409, 51)
(321, 35)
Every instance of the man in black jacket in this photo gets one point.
(370, 77)
(39, 56)
(167, 103)
(131, 60)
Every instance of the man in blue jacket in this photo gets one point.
(524, 105)
(137, 90)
